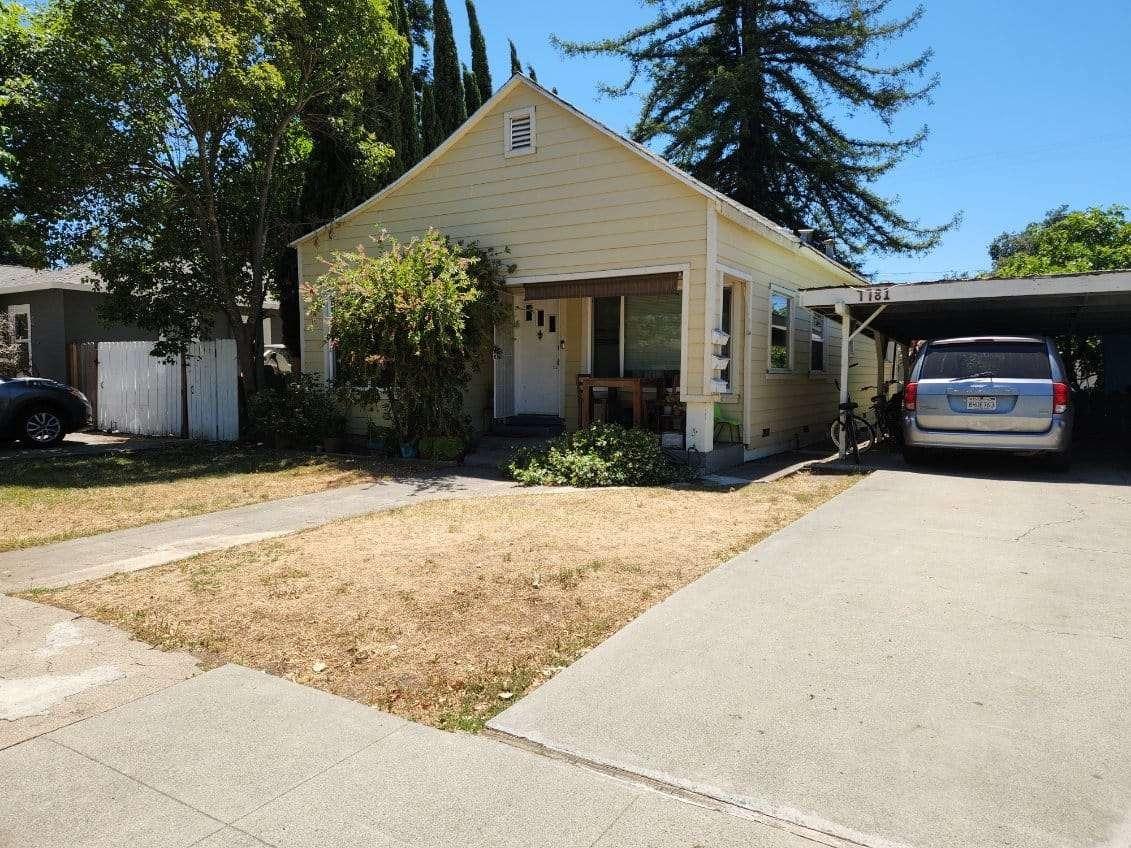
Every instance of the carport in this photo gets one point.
(1095, 303)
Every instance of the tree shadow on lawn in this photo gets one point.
(179, 462)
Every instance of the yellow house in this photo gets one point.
(627, 267)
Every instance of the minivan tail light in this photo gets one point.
(1059, 398)
(910, 396)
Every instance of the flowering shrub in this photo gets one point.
(602, 455)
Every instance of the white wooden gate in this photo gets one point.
(139, 393)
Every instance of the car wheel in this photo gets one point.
(913, 455)
(1060, 461)
(42, 427)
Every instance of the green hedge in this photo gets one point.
(602, 455)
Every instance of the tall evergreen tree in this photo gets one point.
(447, 80)
(745, 95)
(530, 72)
(471, 91)
(479, 65)
(516, 65)
(409, 144)
(430, 121)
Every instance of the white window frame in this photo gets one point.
(21, 309)
(508, 118)
(819, 320)
(792, 298)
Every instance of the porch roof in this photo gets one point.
(635, 284)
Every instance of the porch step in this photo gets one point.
(492, 450)
(523, 426)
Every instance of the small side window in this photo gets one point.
(817, 344)
(781, 332)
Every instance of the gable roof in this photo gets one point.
(740, 214)
(18, 278)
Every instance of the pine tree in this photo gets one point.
(530, 72)
(516, 65)
(744, 95)
(470, 91)
(479, 66)
(430, 121)
(447, 81)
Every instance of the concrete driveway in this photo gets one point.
(927, 660)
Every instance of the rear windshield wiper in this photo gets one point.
(974, 376)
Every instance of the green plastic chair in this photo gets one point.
(725, 422)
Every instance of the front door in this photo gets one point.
(538, 387)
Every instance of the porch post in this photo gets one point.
(845, 351)
(700, 425)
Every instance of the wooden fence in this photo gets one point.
(133, 392)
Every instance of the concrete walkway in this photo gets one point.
(237, 759)
(926, 660)
(154, 544)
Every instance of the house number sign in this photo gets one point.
(873, 294)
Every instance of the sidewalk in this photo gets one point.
(155, 544)
(238, 759)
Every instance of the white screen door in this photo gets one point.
(538, 387)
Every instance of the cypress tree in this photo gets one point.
(447, 81)
(479, 66)
(530, 72)
(409, 145)
(516, 65)
(471, 91)
(430, 121)
(746, 94)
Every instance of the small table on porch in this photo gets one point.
(636, 385)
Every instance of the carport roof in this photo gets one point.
(1096, 302)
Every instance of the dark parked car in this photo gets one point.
(40, 412)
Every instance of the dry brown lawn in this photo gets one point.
(52, 499)
(444, 612)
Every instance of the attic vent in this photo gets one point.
(519, 132)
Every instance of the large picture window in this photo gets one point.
(781, 332)
(651, 334)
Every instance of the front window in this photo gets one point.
(817, 344)
(781, 332)
(19, 319)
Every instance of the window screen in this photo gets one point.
(606, 337)
(651, 333)
(1023, 360)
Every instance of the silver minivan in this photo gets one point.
(998, 393)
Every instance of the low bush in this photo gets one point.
(602, 455)
(301, 413)
(444, 448)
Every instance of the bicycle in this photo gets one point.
(887, 412)
(860, 436)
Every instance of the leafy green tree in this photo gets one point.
(470, 92)
(1066, 242)
(745, 95)
(516, 64)
(429, 120)
(479, 65)
(447, 80)
(410, 322)
(169, 136)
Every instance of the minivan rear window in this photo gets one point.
(1024, 360)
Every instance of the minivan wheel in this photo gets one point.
(913, 455)
(42, 427)
(1060, 461)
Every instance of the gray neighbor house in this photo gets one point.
(51, 309)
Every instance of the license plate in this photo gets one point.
(981, 404)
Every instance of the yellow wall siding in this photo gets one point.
(581, 203)
(795, 408)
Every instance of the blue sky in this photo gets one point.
(1033, 109)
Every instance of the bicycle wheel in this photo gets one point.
(865, 434)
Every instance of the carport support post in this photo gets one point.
(845, 350)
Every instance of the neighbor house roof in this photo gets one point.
(17, 278)
(740, 214)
